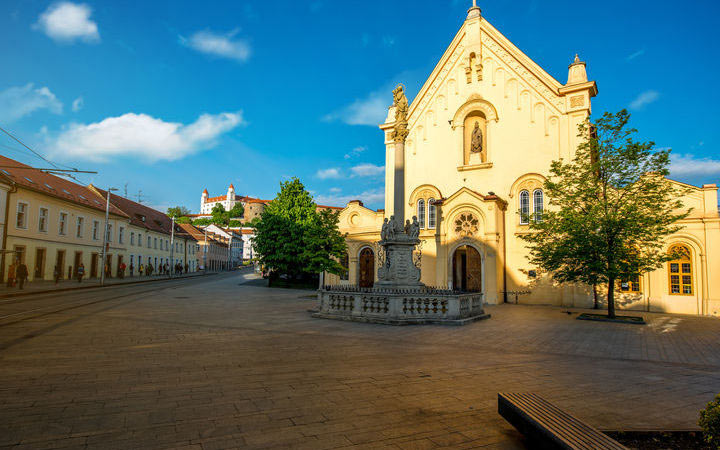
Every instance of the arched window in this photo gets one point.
(680, 273)
(537, 205)
(432, 213)
(421, 212)
(345, 262)
(524, 207)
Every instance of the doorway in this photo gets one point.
(367, 268)
(467, 269)
(76, 263)
(39, 263)
(94, 265)
(60, 262)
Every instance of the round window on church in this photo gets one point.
(466, 224)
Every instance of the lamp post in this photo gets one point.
(205, 249)
(105, 237)
(172, 247)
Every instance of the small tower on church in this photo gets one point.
(576, 72)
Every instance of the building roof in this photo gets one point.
(140, 215)
(53, 186)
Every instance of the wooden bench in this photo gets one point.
(547, 426)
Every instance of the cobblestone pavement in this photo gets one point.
(214, 363)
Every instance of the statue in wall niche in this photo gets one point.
(476, 142)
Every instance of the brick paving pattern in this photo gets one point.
(214, 363)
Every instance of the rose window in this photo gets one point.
(466, 224)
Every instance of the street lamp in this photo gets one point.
(172, 247)
(105, 236)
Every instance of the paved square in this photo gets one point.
(215, 363)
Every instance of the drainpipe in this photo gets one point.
(12, 190)
(505, 298)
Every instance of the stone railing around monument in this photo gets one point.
(400, 306)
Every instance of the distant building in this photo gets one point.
(253, 206)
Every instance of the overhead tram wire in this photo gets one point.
(56, 170)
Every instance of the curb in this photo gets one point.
(97, 286)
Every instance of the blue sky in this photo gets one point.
(172, 97)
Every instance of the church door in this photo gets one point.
(467, 269)
(367, 268)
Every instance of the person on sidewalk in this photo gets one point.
(80, 272)
(22, 274)
(141, 270)
(132, 270)
(121, 271)
(56, 274)
(11, 275)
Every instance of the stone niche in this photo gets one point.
(470, 158)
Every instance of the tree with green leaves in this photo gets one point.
(236, 212)
(292, 238)
(178, 211)
(610, 209)
(219, 215)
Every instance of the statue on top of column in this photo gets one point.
(401, 112)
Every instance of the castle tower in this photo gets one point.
(231, 194)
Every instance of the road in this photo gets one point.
(223, 362)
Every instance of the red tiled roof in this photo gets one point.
(54, 186)
(140, 215)
(222, 198)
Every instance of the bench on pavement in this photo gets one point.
(547, 426)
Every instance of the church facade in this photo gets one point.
(483, 131)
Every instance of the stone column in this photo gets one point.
(399, 182)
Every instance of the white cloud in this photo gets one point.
(142, 136)
(77, 104)
(367, 170)
(331, 173)
(686, 165)
(335, 190)
(20, 101)
(222, 45)
(371, 110)
(66, 21)
(644, 99)
(355, 152)
(369, 197)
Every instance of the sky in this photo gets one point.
(167, 98)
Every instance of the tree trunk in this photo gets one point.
(611, 298)
(595, 297)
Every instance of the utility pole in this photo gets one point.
(205, 249)
(172, 247)
(105, 236)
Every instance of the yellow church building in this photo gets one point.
(483, 131)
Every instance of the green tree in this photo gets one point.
(293, 239)
(219, 215)
(177, 211)
(237, 211)
(610, 209)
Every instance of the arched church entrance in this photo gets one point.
(367, 268)
(467, 269)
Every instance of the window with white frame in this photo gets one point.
(21, 221)
(121, 235)
(537, 205)
(43, 220)
(132, 238)
(109, 233)
(139, 239)
(421, 212)
(62, 224)
(155, 243)
(95, 230)
(432, 213)
(149, 242)
(79, 228)
(524, 207)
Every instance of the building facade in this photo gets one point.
(253, 207)
(483, 131)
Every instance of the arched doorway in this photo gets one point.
(367, 268)
(467, 269)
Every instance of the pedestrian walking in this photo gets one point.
(80, 272)
(57, 274)
(22, 274)
(121, 270)
(141, 270)
(132, 270)
(11, 275)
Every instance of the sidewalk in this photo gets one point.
(44, 286)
